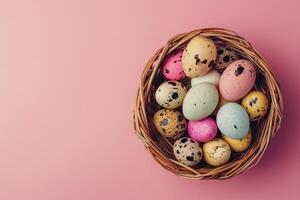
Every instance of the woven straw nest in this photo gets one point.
(161, 148)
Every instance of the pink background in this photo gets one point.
(69, 71)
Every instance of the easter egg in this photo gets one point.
(169, 123)
(170, 94)
(172, 67)
(237, 80)
(187, 151)
(256, 104)
(202, 130)
(225, 56)
(239, 145)
(212, 77)
(233, 120)
(200, 101)
(216, 152)
(199, 56)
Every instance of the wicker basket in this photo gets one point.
(161, 148)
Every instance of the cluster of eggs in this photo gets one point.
(216, 110)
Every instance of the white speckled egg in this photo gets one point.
(233, 120)
(216, 152)
(200, 101)
(170, 94)
(212, 77)
(187, 151)
(199, 56)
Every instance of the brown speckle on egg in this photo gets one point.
(239, 70)
(197, 59)
(211, 64)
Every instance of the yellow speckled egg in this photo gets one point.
(170, 123)
(199, 56)
(256, 104)
(216, 152)
(239, 145)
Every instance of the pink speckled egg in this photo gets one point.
(172, 67)
(203, 130)
(237, 80)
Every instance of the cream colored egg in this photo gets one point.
(216, 152)
(212, 77)
(170, 123)
(199, 56)
(256, 104)
(170, 94)
(239, 145)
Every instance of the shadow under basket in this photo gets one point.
(162, 149)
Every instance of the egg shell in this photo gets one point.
(212, 77)
(202, 130)
(172, 67)
(239, 145)
(216, 152)
(237, 80)
(256, 104)
(233, 120)
(187, 151)
(225, 56)
(200, 101)
(170, 123)
(199, 56)
(170, 94)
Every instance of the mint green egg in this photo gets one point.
(200, 101)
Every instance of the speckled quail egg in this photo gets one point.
(225, 56)
(170, 123)
(256, 104)
(187, 151)
(170, 94)
(199, 56)
(216, 152)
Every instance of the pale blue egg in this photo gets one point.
(233, 120)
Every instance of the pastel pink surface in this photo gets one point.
(69, 72)
(172, 67)
(202, 130)
(235, 83)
